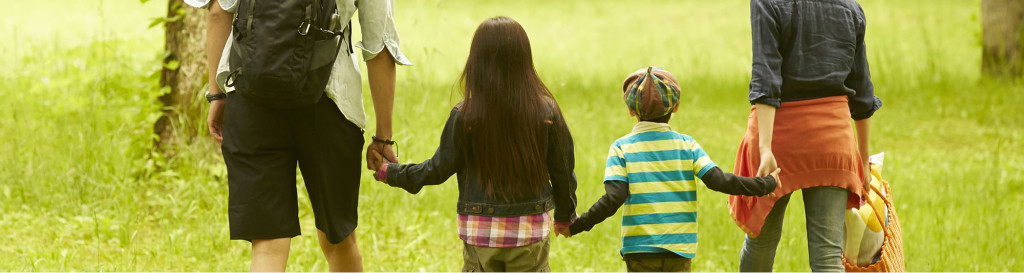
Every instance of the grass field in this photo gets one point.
(81, 190)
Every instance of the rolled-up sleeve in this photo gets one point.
(864, 103)
(227, 5)
(376, 20)
(766, 73)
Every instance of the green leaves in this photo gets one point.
(177, 11)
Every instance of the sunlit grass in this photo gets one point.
(82, 191)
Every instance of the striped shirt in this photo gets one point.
(504, 231)
(659, 164)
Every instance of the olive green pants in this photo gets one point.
(681, 264)
(529, 258)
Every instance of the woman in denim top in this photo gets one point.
(809, 79)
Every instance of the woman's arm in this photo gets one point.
(765, 127)
(863, 132)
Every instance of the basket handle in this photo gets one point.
(880, 215)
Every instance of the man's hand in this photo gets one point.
(379, 153)
(215, 120)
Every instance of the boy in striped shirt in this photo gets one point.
(652, 171)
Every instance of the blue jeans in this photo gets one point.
(825, 208)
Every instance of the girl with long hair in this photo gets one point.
(511, 150)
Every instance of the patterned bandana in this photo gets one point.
(651, 93)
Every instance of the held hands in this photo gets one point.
(770, 167)
(562, 228)
(378, 154)
(778, 183)
(562, 231)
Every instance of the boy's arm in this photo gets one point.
(729, 183)
(615, 195)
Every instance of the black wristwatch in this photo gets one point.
(218, 96)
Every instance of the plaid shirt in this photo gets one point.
(504, 231)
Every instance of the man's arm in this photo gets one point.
(218, 27)
(381, 73)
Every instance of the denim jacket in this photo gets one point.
(450, 159)
(809, 49)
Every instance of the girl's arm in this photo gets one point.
(446, 161)
(561, 162)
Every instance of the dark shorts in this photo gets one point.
(261, 149)
(670, 264)
(673, 264)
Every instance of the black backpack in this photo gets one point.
(284, 50)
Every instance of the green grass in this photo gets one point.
(82, 191)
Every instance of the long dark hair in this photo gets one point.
(506, 110)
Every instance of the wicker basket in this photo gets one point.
(892, 247)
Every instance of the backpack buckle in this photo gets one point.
(304, 28)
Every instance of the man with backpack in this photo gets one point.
(296, 98)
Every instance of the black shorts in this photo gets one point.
(261, 148)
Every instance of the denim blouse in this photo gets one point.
(808, 49)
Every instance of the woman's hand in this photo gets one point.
(770, 167)
(768, 164)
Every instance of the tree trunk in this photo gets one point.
(184, 76)
(1003, 38)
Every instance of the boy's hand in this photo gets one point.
(778, 183)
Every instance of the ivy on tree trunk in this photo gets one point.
(184, 77)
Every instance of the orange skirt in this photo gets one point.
(814, 145)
